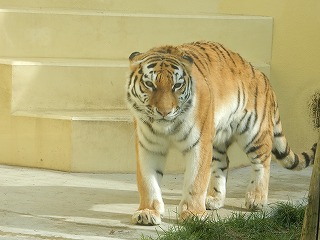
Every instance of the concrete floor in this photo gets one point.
(41, 204)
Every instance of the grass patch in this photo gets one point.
(283, 221)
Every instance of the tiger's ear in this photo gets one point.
(188, 58)
(133, 55)
(188, 62)
(133, 58)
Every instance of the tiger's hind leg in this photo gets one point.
(219, 170)
(257, 190)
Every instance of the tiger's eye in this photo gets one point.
(177, 86)
(149, 84)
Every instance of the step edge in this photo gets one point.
(78, 12)
(79, 62)
(65, 62)
(112, 115)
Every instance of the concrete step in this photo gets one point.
(63, 86)
(104, 141)
(150, 6)
(64, 67)
(68, 85)
(77, 141)
(91, 34)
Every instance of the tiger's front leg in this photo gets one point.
(196, 180)
(150, 166)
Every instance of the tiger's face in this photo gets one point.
(160, 86)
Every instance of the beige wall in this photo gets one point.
(295, 65)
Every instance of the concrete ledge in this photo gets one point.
(58, 87)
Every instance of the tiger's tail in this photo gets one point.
(283, 153)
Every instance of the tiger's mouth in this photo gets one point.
(168, 118)
(165, 120)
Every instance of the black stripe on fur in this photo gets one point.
(281, 155)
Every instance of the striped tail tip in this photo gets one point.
(292, 161)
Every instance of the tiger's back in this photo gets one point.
(245, 106)
(241, 94)
(201, 97)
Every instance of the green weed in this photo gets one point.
(283, 221)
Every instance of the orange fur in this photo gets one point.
(201, 97)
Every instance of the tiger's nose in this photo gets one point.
(163, 112)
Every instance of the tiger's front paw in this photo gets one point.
(186, 213)
(146, 217)
(213, 203)
(255, 201)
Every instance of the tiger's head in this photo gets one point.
(160, 86)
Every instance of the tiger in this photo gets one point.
(200, 97)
